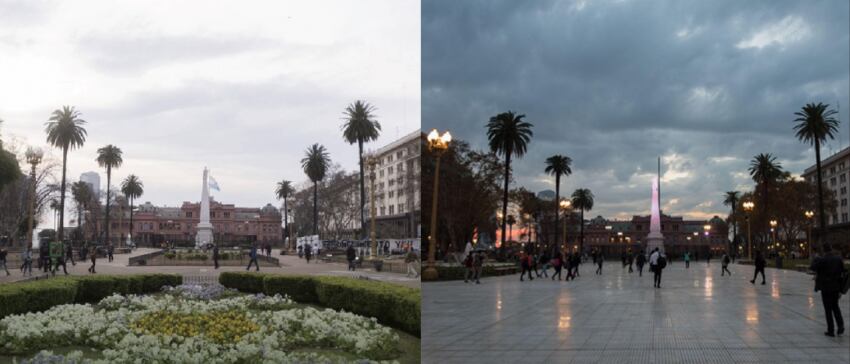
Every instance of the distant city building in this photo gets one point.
(836, 173)
(614, 237)
(231, 225)
(397, 188)
(93, 180)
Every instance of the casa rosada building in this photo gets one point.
(154, 225)
(613, 237)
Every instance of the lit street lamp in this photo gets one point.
(33, 156)
(437, 144)
(748, 208)
(809, 215)
(773, 231)
(565, 205)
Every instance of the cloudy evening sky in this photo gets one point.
(613, 84)
(241, 87)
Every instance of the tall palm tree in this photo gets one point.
(54, 205)
(558, 165)
(360, 127)
(65, 130)
(82, 194)
(582, 200)
(109, 157)
(511, 221)
(509, 135)
(814, 125)
(764, 169)
(133, 188)
(731, 199)
(315, 165)
(283, 191)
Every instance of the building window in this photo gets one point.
(381, 173)
(226, 214)
(832, 181)
(189, 214)
(391, 194)
(843, 178)
(392, 210)
(390, 170)
(844, 217)
(843, 202)
(401, 208)
(843, 190)
(383, 211)
(399, 154)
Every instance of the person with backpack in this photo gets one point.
(556, 262)
(830, 279)
(657, 263)
(640, 261)
(526, 262)
(759, 263)
(725, 264)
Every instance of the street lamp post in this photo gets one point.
(565, 205)
(748, 208)
(372, 211)
(707, 229)
(773, 232)
(33, 156)
(437, 144)
(809, 215)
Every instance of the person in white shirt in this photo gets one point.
(657, 262)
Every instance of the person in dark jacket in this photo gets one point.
(599, 259)
(350, 255)
(69, 254)
(253, 255)
(93, 257)
(828, 281)
(640, 260)
(216, 256)
(526, 264)
(760, 262)
(308, 252)
(110, 251)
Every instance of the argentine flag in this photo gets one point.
(213, 184)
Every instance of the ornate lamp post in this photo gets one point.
(371, 162)
(437, 144)
(565, 205)
(773, 232)
(748, 208)
(809, 215)
(33, 156)
(707, 229)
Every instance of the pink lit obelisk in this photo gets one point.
(655, 239)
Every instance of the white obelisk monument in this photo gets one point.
(205, 229)
(655, 239)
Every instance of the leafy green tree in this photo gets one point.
(315, 165)
(9, 168)
(82, 195)
(582, 200)
(765, 171)
(558, 165)
(360, 127)
(508, 136)
(65, 131)
(731, 198)
(815, 123)
(109, 157)
(133, 188)
(283, 191)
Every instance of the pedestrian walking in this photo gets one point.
(526, 263)
(93, 257)
(351, 255)
(708, 259)
(411, 259)
(300, 251)
(641, 260)
(57, 257)
(544, 264)
(599, 260)
(26, 258)
(687, 260)
(3, 254)
(110, 250)
(830, 279)
(253, 255)
(69, 253)
(468, 268)
(759, 263)
(574, 263)
(308, 252)
(657, 263)
(478, 265)
(631, 260)
(43, 257)
(725, 264)
(568, 265)
(556, 262)
(534, 260)
(216, 255)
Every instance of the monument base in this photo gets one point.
(204, 236)
(653, 242)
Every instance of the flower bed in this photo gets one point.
(195, 325)
(390, 304)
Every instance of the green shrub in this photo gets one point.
(299, 288)
(38, 295)
(243, 281)
(94, 288)
(391, 304)
(154, 282)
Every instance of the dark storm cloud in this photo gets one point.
(613, 84)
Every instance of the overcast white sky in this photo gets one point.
(242, 87)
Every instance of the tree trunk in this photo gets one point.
(61, 233)
(505, 194)
(286, 222)
(131, 218)
(108, 181)
(557, 208)
(315, 208)
(362, 192)
(581, 229)
(822, 215)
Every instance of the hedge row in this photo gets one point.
(40, 295)
(456, 272)
(392, 305)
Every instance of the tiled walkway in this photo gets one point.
(697, 317)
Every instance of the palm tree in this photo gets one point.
(511, 221)
(65, 130)
(582, 200)
(558, 165)
(360, 127)
(814, 125)
(133, 188)
(283, 191)
(731, 199)
(764, 169)
(509, 135)
(82, 194)
(315, 164)
(108, 157)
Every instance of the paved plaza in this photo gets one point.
(697, 317)
(290, 264)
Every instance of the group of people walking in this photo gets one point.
(53, 255)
